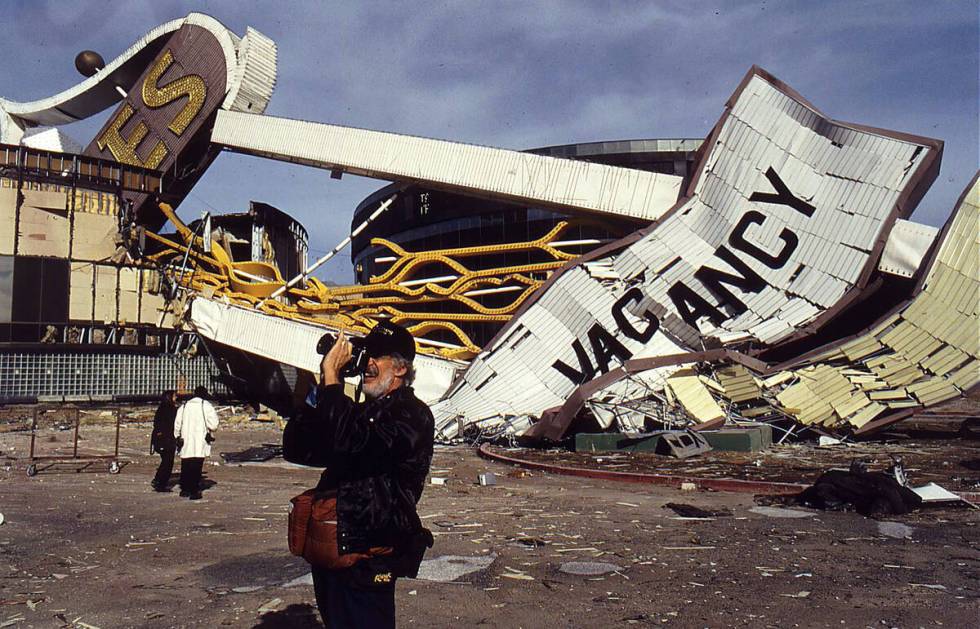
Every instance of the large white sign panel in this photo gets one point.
(788, 211)
(294, 343)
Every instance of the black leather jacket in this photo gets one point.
(162, 437)
(377, 456)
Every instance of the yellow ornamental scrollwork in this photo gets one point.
(401, 293)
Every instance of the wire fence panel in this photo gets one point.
(34, 377)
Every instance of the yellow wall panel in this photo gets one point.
(43, 226)
(129, 297)
(82, 275)
(8, 220)
(105, 293)
(695, 398)
(866, 414)
(129, 279)
(94, 236)
(967, 376)
(944, 360)
(151, 307)
(129, 307)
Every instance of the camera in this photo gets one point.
(358, 362)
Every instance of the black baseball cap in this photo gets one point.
(387, 338)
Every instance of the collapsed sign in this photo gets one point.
(690, 304)
(785, 220)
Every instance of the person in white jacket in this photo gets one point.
(196, 418)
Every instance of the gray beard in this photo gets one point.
(379, 387)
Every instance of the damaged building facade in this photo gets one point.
(770, 274)
(79, 320)
(84, 314)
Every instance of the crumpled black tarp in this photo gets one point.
(255, 454)
(868, 493)
(690, 511)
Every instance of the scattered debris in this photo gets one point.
(682, 444)
(688, 486)
(436, 480)
(245, 589)
(588, 568)
(868, 493)
(256, 454)
(690, 511)
(800, 594)
(779, 512)
(934, 493)
(270, 606)
(306, 579)
(931, 586)
(451, 567)
(1, 519)
(486, 479)
(895, 529)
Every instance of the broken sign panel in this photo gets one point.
(786, 217)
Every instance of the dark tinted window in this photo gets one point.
(40, 290)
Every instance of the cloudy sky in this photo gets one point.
(525, 74)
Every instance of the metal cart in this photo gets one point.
(84, 460)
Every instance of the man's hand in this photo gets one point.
(334, 361)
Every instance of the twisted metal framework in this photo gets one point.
(402, 293)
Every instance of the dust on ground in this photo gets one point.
(93, 549)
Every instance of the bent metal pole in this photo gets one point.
(340, 246)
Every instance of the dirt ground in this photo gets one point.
(92, 549)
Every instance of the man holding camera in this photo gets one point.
(377, 456)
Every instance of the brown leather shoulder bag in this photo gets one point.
(313, 532)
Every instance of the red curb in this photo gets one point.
(719, 484)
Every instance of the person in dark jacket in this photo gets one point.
(377, 456)
(162, 440)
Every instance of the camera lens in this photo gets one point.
(357, 364)
(325, 343)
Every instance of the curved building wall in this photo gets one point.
(263, 234)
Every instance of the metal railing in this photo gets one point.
(21, 162)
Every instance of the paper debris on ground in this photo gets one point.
(778, 512)
(800, 594)
(588, 568)
(270, 606)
